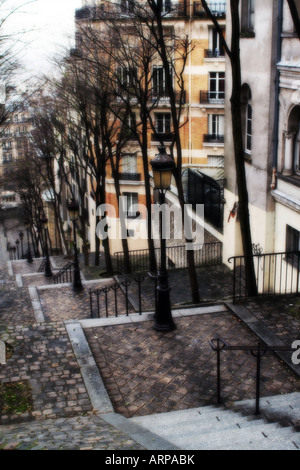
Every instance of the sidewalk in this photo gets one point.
(57, 351)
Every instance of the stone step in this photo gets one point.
(210, 427)
(259, 437)
(194, 421)
(280, 407)
(276, 400)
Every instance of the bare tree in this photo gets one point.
(173, 53)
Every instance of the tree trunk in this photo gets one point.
(152, 257)
(239, 151)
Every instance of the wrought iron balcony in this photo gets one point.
(213, 138)
(124, 9)
(212, 97)
(164, 97)
(213, 53)
(162, 137)
(217, 9)
(130, 176)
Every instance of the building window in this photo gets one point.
(166, 6)
(216, 86)
(247, 117)
(129, 164)
(248, 14)
(159, 85)
(248, 136)
(131, 200)
(127, 6)
(127, 78)
(163, 123)
(130, 125)
(292, 245)
(216, 48)
(216, 124)
(297, 152)
(7, 158)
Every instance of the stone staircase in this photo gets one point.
(235, 428)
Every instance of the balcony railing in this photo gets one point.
(130, 176)
(213, 138)
(124, 10)
(217, 9)
(164, 97)
(212, 97)
(162, 137)
(213, 53)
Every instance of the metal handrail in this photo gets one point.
(258, 351)
(206, 254)
(276, 273)
(102, 293)
(66, 269)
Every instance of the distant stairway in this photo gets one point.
(220, 428)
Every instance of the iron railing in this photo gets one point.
(257, 351)
(216, 8)
(213, 138)
(212, 97)
(130, 176)
(214, 53)
(65, 274)
(118, 299)
(42, 266)
(124, 9)
(208, 254)
(275, 274)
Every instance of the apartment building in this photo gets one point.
(270, 58)
(13, 145)
(202, 131)
(259, 49)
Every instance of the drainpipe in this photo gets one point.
(276, 111)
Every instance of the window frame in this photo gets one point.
(215, 82)
(248, 129)
(248, 16)
(166, 119)
(134, 200)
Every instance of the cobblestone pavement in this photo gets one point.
(281, 316)
(179, 372)
(76, 433)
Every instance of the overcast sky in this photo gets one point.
(49, 25)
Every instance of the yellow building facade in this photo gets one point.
(202, 117)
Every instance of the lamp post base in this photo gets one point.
(163, 320)
(164, 328)
(77, 284)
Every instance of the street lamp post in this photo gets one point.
(29, 256)
(73, 209)
(44, 223)
(21, 238)
(162, 166)
(17, 245)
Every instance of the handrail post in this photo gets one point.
(257, 382)
(218, 344)
(258, 353)
(91, 303)
(218, 375)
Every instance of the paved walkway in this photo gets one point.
(57, 351)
